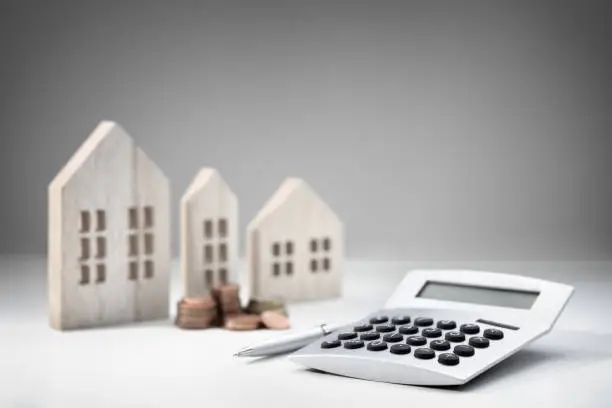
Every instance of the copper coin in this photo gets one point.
(275, 320)
(242, 322)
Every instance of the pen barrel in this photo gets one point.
(287, 343)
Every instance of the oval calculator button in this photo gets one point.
(464, 350)
(416, 340)
(347, 336)
(379, 319)
(455, 336)
(377, 345)
(440, 345)
(393, 337)
(363, 327)
(469, 328)
(447, 324)
(431, 332)
(448, 359)
(369, 336)
(408, 330)
(385, 328)
(330, 344)
(423, 321)
(424, 353)
(353, 344)
(479, 342)
(493, 334)
(400, 320)
(400, 349)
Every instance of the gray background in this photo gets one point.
(437, 130)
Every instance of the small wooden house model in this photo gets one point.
(209, 234)
(109, 235)
(295, 246)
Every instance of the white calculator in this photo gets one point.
(440, 328)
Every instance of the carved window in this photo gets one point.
(92, 242)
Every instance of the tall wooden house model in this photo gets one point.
(109, 235)
(295, 246)
(209, 234)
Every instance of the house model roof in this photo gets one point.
(104, 131)
(204, 176)
(289, 187)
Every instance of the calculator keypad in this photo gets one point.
(425, 338)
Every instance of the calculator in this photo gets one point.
(441, 328)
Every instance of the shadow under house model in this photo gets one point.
(109, 235)
(209, 234)
(295, 246)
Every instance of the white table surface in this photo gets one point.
(157, 365)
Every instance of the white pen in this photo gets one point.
(287, 343)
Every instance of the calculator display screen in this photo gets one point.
(518, 299)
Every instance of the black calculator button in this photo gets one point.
(440, 345)
(416, 340)
(385, 328)
(347, 336)
(393, 337)
(377, 345)
(448, 359)
(400, 349)
(353, 344)
(408, 330)
(400, 320)
(369, 336)
(424, 353)
(463, 350)
(431, 332)
(455, 336)
(423, 321)
(469, 328)
(479, 342)
(447, 324)
(363, 327)
(493, 334)
(330, 344)
(379, 319)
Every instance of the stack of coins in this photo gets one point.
(196, 313)
(273, 313)
(228, 299)
(242, 321)
(259, 306)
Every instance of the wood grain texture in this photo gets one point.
(295, 246)
(209, 233)
(107, 175)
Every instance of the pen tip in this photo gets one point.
(243, 352)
